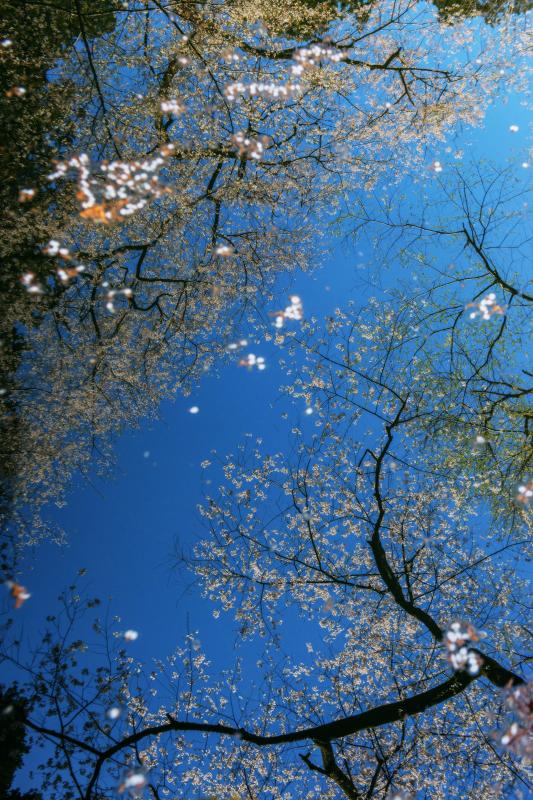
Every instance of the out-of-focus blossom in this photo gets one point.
(486, 307)
(514, 128)
(134, 782)
(115, 189)
(307, 58)
(131, 635)
(18, 592)
(293, 311)
(172, 106)
(113, 713)
(525, 493)
(194, 410)
(26, 194)
(253, 148)
(232, 346)
(112, 293)
(251, 360)
(64, 273)
(224, 250)
(230, 56)
(16, 91)
(518, 737)
(271, 90)
(28, 280)
(461, 657)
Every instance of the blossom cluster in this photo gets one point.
(309, 57)
(519, 735)
(251, 360)
(172, 106)
(272, 90)
(525, 493)
(293, 311)
(253, 148)
(460, 656)
(118, 188)
(486, 307)
(64, 272)
(32, 287)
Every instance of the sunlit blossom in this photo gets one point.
(130, 635)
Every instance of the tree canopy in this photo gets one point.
(165, 166)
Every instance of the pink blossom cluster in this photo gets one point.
(460, 656)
